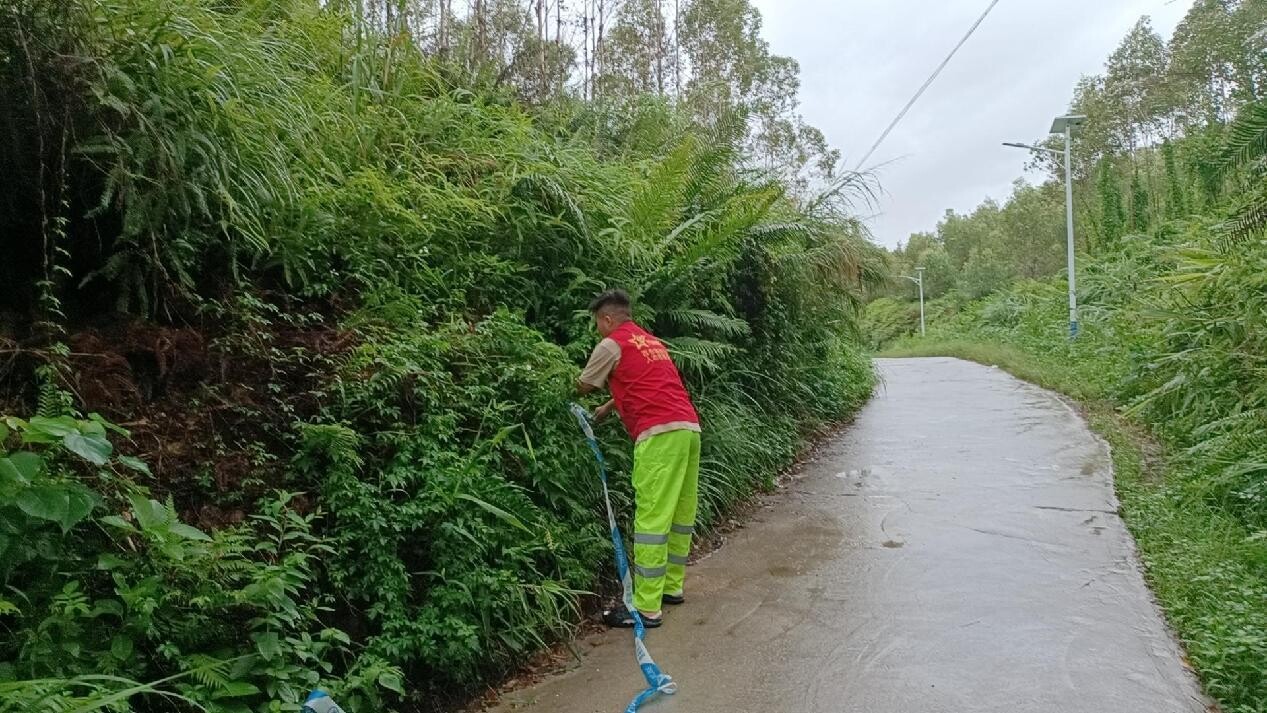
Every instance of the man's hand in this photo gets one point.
(604, 411)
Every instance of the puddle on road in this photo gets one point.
(860, 473)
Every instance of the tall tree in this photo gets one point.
(1218, 62)
(1030, 233)
(960, 234)
(631, 57)
(721, 41)
(1099, 136)
(1133, 85)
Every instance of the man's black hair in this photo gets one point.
(613, 298)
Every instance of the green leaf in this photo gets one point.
(121, 648)
(172, 549)
(107, 607)
(45, 502)
(391, 682)
(28, 464)
(235, 689)
(91, 428)
(12, 476)
(80, 502)
(108, 561)
(335, 635)
(149, 513)
(94, 447)
(267, 644)
(501, 514)
(135, 464)
(116, 521)
(98, 419)
(188, 532)
(41, 429)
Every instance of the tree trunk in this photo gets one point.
(659, 47)
(480, 52)
(442, 29)
(558, 43)
(598, 43)
(677, 49)
(586, 69)
(541, 43)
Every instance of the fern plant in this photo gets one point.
(1245, 148)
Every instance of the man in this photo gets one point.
(648, 395)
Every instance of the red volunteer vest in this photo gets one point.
(646, 386)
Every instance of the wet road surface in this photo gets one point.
(957, 549)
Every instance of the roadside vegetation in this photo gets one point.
(1171, 209)
(292, 307)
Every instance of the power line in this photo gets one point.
(927, 83)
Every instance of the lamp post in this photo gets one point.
(1065, 125)
(919, 280)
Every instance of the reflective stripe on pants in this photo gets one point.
(666, 494)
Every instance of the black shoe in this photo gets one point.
(622, 619)
(673, 599)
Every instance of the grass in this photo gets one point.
(1208, 573)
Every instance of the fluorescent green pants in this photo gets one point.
(666, 494)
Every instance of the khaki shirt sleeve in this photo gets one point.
(602, 361)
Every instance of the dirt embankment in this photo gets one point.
(208, 409)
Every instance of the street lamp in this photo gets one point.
(1065, 125)
(919, 281)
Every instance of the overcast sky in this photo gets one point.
(861, 60)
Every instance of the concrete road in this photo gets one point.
(957, 549)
